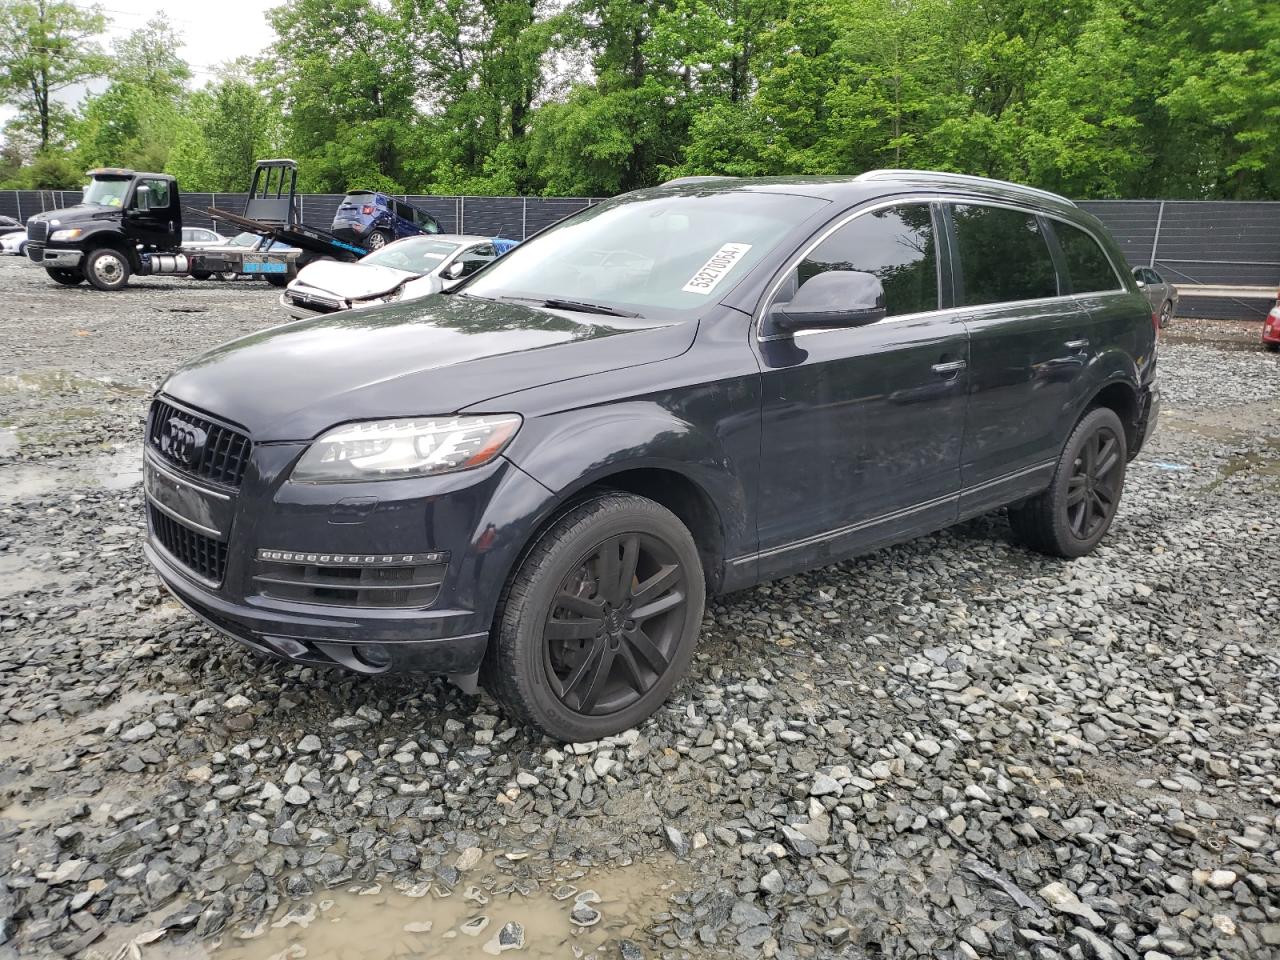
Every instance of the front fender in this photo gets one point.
(569, 452)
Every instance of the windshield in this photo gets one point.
(416, 255)
(106, 193)
(648, 254)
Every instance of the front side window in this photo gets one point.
(665, 253)
(896, 244)
(159, 190)
(1088, 265)
(1003, 256)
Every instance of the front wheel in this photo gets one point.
(107, 269)
(1273, 347)
(1069, 518)
(599, 621)
(68, 278)
(277, 279)
(1166, 314)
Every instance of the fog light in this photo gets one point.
(373, 655)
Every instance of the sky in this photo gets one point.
(214, 30)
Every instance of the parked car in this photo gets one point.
(10, 225)
(1160, 293)
(538, 477)
(401, 271)
(202, 238)
(1271, 328)
(14, 244)
(372, 220)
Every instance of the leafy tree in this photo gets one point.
(225, 128)
(46, 46)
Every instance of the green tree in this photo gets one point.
(46, 46)
(225, 128)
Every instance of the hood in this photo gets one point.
(431, 356)
(78, 214)
(350, 281)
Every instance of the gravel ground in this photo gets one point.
(951, 749)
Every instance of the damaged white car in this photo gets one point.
(405, 270)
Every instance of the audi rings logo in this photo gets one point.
(182, 442)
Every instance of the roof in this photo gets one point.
(875, 183)
(122, 172)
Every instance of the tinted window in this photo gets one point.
(159, 190)
(1087, 264)
(1004, 256)
(896, 244)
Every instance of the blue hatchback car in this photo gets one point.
(372, 220)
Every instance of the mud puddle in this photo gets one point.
(483, 916)
(118, 469)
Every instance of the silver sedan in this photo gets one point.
(1160, 293)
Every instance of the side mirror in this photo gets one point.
(1137, 275)
(833, 299)
(142, 199)
(455, 270)
(1142, 284)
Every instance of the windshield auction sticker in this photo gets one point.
(716, 269)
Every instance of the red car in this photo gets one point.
(1271, 328)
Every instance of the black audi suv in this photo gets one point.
(535, 480)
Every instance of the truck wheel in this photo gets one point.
(277, 279)
(107, 269)
(68, 278)
(377, 240)
(200, 274)
(599, 621)
(1069, 518)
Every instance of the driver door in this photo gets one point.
(152, 226)
(862, 427)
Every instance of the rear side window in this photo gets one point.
(1003, 255)
(1087, 264)
(896, 244)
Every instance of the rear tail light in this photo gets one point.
(366, 209)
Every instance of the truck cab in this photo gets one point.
(124, 217)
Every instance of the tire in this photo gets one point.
(377, 240)
(1166, 313)
(107, 269)
(68, 278)
(1069, 518)
(546, 677)
(200, 274)
(1273, 347)
(277, 279)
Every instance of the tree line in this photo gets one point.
(1092, 98)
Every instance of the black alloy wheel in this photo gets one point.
(615, 623)
(1093, 490)
(1076, 511)
(599, 620)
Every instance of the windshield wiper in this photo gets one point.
(576, 306)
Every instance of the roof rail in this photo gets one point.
(966, 180)
(703, 178)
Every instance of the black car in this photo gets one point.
(535, 480)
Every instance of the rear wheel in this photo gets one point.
(1069, 518)
(599, 621)
(1273, 347)
(201, 274)
(277, 279)
(107, 269)
(68, 278)
(377, 240)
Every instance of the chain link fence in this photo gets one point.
(1235, 243)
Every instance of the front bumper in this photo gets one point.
(304, 311)
(56, 258)
(476, 520)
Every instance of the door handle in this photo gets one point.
(951, 366)
(1076, 344)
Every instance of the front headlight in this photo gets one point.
(65, 234)
(391, 449)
